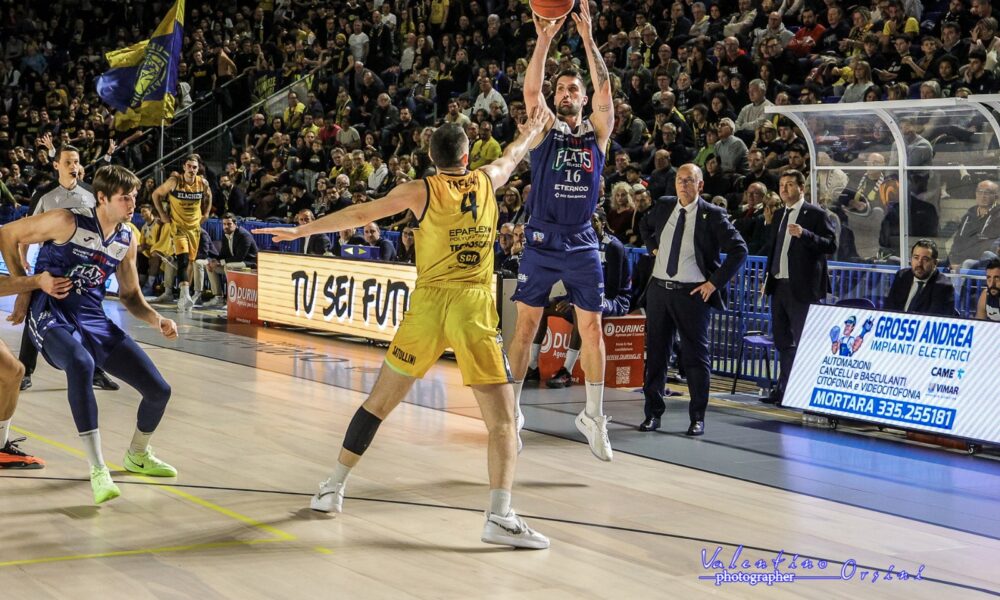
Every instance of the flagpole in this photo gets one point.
(159, 161)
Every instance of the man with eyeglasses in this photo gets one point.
(687, 235)
(978, 228)
(922, 288)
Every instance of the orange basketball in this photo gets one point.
(551, 9)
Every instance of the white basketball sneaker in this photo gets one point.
(518, 426)
(329, 498)
(511, 530)
(596, 431)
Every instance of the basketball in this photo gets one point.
(551, 9)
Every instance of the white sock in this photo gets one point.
(500, 502)
(536, 349)
(185, 291)
(4, 428)
(571, 356)
(140, 441)
(517, 392)
(340, 474)
(595, 399)
(92, 446)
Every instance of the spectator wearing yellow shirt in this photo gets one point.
(293, 114)
(361, 168)
(486, 149)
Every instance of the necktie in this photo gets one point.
(779, 244)
(675, 245)
(920, 286)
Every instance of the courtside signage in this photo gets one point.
(918, 372)
(352, 297)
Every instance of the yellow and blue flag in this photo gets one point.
(142, 81)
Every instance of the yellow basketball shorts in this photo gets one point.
(186, 240)
(464, 319)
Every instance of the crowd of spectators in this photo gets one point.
(691, 82)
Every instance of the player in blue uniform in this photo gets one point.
(87, 245)
(560, 244)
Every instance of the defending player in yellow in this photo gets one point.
(452, 305)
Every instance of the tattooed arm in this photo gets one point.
(603, 117)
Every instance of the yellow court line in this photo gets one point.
(281, 535)
(188, 548)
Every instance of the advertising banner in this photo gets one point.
(624, 340)
(919, 372)
(241, 297)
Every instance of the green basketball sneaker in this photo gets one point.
(104, 488)
(145, 463)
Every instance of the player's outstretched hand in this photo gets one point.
(547, 29)
(57, 287)
(584, 23)
(279, 234)
(168, 328)
(534, 122)
(20, 308)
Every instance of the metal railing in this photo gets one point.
(215, 144)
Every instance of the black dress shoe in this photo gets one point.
(650, 424)
(696, 428)
(103, 382)
(25, 382)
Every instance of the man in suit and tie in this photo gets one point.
(796, 268)
(237, 251)
(318, 244)
(922, 288)
(686, 234)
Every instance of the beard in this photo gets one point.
(993, 291)
(568, 110)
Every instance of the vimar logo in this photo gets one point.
(845, 342)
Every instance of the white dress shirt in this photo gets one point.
(791, 216)
(687, 264)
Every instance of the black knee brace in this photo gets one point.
(183, 260)
(361, 431)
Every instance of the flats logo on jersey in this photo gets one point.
(87, 276)
(578, 158)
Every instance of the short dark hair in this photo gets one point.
(66, 148)
(569, 73)
(795, 174)
(111, 179)
(194, 157)
(926, 243)
(993, 264)
(229, 216)
(448, 144)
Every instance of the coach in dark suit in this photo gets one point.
(687, 235)
(796, 268)
(922, 288)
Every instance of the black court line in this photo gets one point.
(662, 534)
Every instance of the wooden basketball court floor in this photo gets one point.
(256, 421)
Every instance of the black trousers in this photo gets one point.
(788, 318)
(670, 311)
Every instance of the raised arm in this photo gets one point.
(603, 117)
(499, 170)
(411, 195)
(535, 74)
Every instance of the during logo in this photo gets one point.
(609, 329)
(231, 289)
